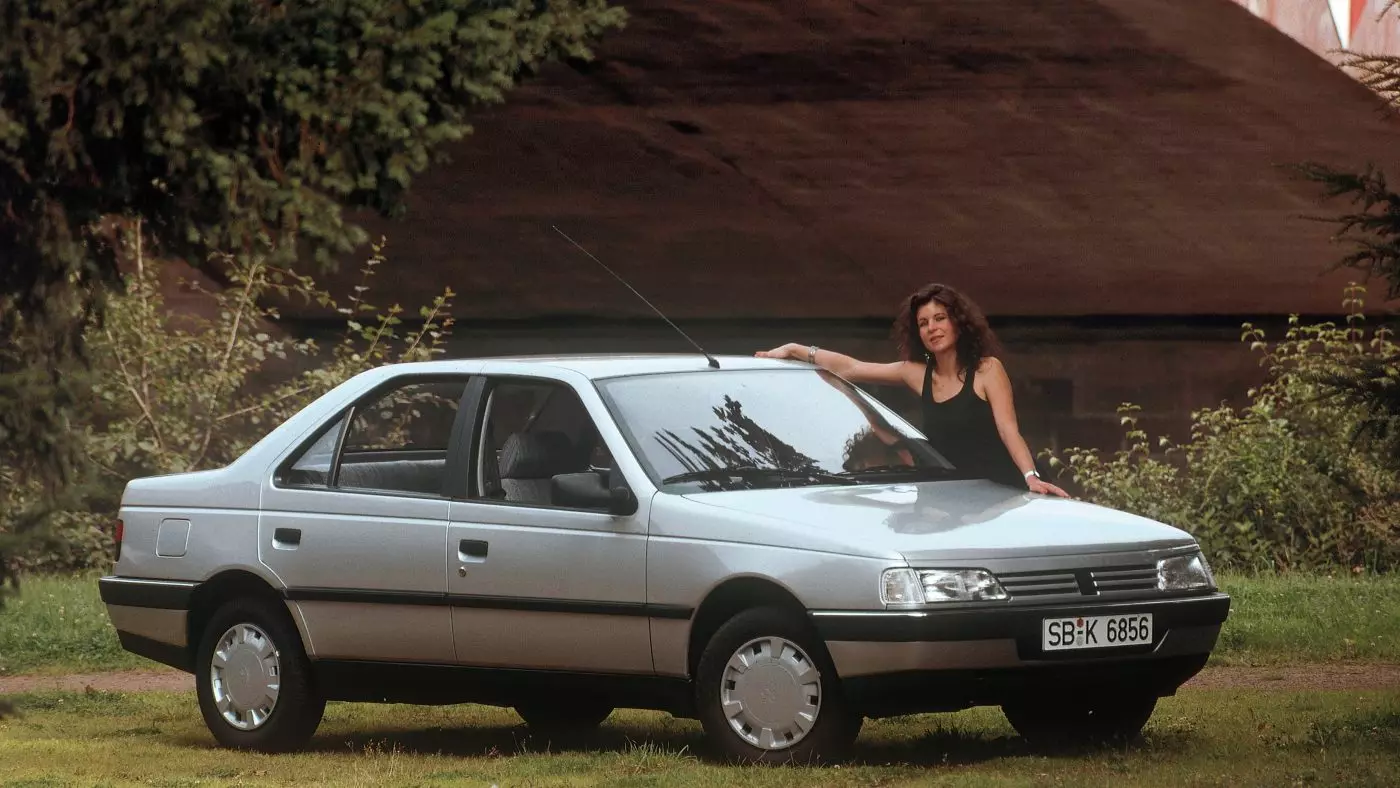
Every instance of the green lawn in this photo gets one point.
(1200, 737)
(1302, 618)
(58, 624)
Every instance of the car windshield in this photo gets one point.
(755, 429)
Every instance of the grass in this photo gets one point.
(1310, 618)
(58, 624)
(1200, 737)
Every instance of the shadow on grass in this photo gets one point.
(478, 741)
(937, 748)
(956, 748)
(507, 740)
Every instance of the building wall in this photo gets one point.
(1326, 26)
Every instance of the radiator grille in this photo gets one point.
(1039, 583)
(1098, 581)
(1125, 578)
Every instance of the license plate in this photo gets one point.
(1081, 632)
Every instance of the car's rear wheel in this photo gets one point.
(1096, 722)
(253, 679)
(563, 716)
(767, 692)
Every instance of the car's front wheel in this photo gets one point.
(254, 681)
(767, 692)
(1094, 722)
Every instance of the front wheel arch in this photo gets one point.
(727, 600)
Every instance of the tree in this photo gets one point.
(244, 127)
(1372, 227)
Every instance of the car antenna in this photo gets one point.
(710, 358)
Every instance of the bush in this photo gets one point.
(177, 392)
(1281, 483)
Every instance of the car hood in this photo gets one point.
(951, 519)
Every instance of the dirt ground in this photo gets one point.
(1288, 678)
(1293, 678)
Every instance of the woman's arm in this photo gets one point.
(851, 369)
(998, 388)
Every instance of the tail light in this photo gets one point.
(117, 534)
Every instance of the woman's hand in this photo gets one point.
(791, 350)
(1039, 485)
(853, 370)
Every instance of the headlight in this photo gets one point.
(1184, 573)
(903, 587)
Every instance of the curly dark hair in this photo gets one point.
(975, 338)
(865, 449)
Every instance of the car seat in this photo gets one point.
(529, 460)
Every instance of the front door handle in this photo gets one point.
(286, 538)
(471, 551)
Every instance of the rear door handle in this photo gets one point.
(471, 551)
(286, 538)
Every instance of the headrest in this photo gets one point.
(535, 455)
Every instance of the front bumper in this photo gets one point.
(896, 662)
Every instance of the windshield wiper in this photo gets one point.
(751, 473)
(899, 470)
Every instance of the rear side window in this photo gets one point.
(313, 467)
(417, 417)
(395, 441)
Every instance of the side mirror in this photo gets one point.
(622, 501)
(587, 490)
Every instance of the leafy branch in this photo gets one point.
(1373, 228)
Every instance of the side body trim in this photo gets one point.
(435, 684)
(371, 597)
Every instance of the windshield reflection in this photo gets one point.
(736, 442)
(756, 429)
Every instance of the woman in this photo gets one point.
(949, 358)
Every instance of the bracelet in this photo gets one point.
(812, 354)
(1028, 474)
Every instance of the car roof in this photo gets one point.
(604, 365)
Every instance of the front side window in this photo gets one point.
(534, 431)
(754, 429)
(396, 440)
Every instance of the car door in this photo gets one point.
(355, 525)
(533, 584)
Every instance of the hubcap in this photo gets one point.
(246, 673)
(771, 693)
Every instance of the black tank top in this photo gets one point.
(964, 430)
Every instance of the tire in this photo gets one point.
(563, 717)
(292, 716)
(1104, 721)
(784, 688)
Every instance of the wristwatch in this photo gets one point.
(812, 354)
(1032, 472)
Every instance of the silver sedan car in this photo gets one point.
(760, 546)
